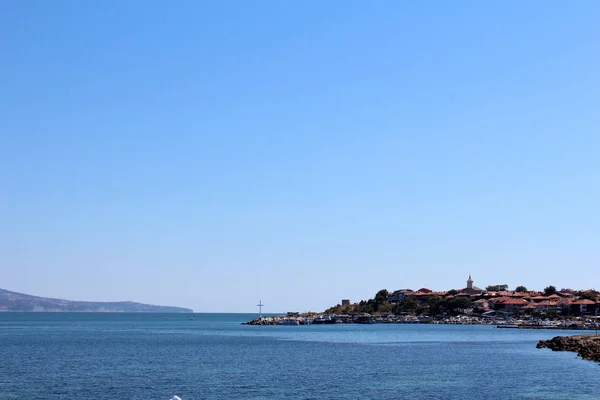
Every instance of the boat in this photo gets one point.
(323, 319)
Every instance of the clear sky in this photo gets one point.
(214, 154)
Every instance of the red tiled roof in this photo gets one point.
(584, 301)
(508, 300)
(516, 302)
(499, 299)
(547, 303)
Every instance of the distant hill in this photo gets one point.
(19, 302)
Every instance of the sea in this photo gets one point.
(212, 356)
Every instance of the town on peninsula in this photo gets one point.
(551, 308)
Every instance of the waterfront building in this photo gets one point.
(398, 296)
(482, 303)
(583, 307)
(509, 304)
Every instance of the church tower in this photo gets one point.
(469, 285)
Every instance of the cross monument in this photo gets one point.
(260, 305)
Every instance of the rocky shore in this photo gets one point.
(293, 318)
(261, 321)
(586, 346)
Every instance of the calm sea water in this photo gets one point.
(156, 356)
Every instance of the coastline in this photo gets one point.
(326, 319)
(586, 346)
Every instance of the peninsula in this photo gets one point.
(19, 302)
(564, 309)
(520, 303)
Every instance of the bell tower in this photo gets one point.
(469, 284)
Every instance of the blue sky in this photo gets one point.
(212, 155)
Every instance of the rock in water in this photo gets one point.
(586, 346)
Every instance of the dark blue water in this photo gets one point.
(146, 356)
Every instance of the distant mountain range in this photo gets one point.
(19, 302)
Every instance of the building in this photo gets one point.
(583, 307)
(510, 305)
(470, 289)
(482, 304)
(345, 302)
(397, 297)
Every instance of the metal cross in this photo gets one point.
(260, 305)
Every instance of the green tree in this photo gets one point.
(496, 288)
(458, 303)
(410, 305)
(384, 308)
(382, 296)
(588, 296)
(550, 290)
(420, 310)
(380, 302)
(397, 308)
(521, 289)
(438, 306)
(452, 292)
(363, 307)
(432, 300)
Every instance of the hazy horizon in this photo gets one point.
(210, 156)
(265, 306)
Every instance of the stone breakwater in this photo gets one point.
(260, 321)
(586, 346)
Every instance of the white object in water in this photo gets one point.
(176, 398)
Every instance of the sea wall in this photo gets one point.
(586, 346)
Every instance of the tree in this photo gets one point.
(452, 292)
(549, 291)
(458, 303)
(410, 305)
(380, 301)
(437, 305)
(588, 296)
(382, 296)
(431, 300)
(497, 288)
(420, 310)
(521, 289)
(384, 308)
